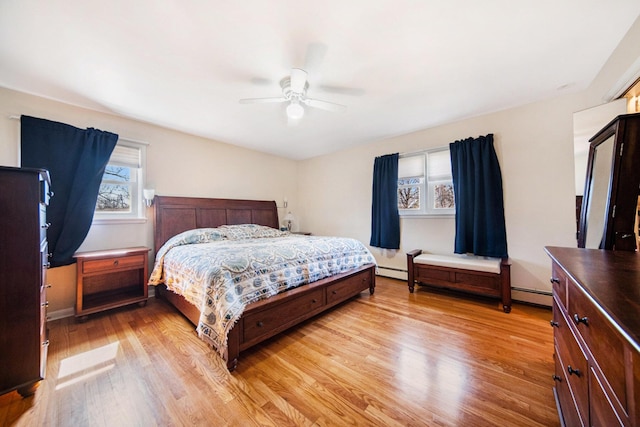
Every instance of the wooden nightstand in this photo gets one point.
(111, 278)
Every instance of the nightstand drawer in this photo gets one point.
(110, 264)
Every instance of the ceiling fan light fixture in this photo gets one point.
(295, 110)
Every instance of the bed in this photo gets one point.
(266, 310)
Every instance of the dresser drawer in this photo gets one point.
(568, 408)
(268, 320)
(602, 411)
(347, 288)
(573, 364)
(603, 342)
(110, 264)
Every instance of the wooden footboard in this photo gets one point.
(475, 282)
(266, 318)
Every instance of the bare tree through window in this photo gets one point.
(409, 193)
(444, 197)
(115, 191)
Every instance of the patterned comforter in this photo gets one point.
(221, 270)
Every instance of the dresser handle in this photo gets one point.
(554, 324)
(579, 319)
(313, 301)
(556, 378)
(45, 343)
(46, 226)
(116, 262)
(572, 371)
(45, 304)
(259, 324)
(555, 280)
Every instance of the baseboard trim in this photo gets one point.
(60, 314)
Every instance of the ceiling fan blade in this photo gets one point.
(261, 100)
(342, 90)
(298, 80)
(325, 105)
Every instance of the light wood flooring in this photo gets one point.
(391, 359)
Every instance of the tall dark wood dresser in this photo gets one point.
(24, 196)
(596, 323)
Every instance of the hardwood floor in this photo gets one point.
(391, 359)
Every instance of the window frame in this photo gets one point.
(427, 187)
(138, 211)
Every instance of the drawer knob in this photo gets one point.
(259, 324)
(334, 292)
(46, 343)
(116, 262)
(45, 304)
(46, 226)
(572, 371)
(555, 280)
(579, 319)
(313, 301)
(554, 324)
(556, 378)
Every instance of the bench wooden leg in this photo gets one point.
(411, 270)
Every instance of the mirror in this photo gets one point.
(609, 214)
(597, 205)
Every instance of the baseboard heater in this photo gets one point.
(532, 291)
(394, 273)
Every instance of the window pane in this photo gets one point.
(409, 198)
(124, 155)
(114, 198)
(443, 196)
(411, 166)
(439, 165)
(117, 173)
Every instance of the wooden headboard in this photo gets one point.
(174, 215)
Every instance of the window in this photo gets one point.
(425, 184)
(120, 194)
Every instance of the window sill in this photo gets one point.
(106, 221)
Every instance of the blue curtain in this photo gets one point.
(76, 160)
(477, 184)
(385, 219)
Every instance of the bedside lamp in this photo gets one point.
(288, 218)
(148, 194)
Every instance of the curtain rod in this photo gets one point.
(13, 117)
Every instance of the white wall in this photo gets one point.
(177, 165)
(534, 144)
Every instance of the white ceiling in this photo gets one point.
(398, 65)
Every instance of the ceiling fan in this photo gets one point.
(294, 91)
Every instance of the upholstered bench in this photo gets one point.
(469, 273)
